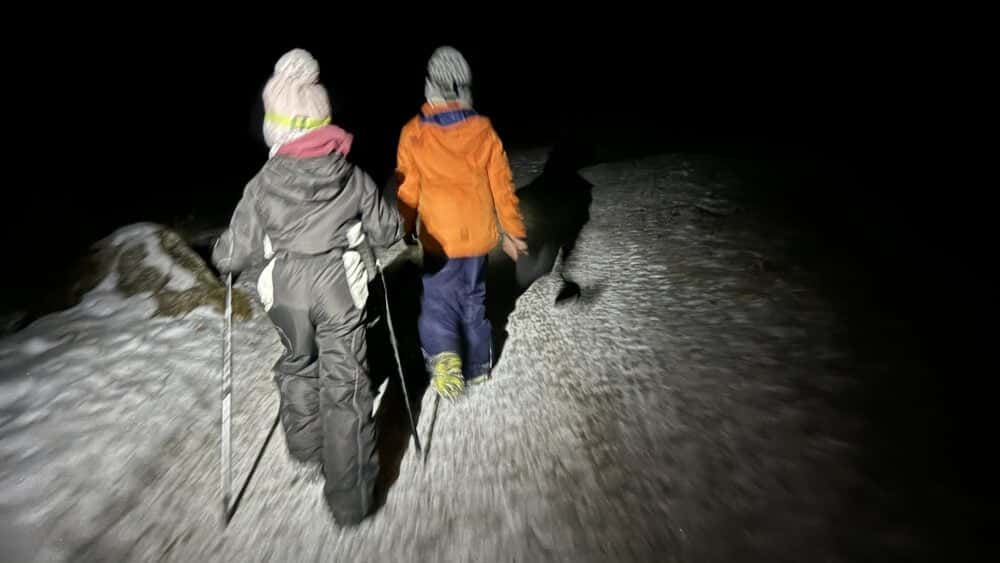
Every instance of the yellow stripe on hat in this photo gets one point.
(300, 122)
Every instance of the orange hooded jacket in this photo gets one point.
(453, 173)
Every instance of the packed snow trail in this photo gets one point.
(682, 409)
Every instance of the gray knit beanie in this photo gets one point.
(448, 77)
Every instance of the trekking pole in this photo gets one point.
(434, 417)
(227, 394)
(399, 363)
(253, 470)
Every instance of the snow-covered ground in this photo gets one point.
(683, 409)
(108, 415)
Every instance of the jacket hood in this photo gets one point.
(306, 179)
(455, 128)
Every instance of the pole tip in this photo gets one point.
(227, 514)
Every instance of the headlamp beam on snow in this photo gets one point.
(300, 122)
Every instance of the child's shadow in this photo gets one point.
(394, 435)
(556, 206)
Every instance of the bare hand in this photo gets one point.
(514, 247)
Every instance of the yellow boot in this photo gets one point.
(446, 375)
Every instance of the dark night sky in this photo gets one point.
(177, 110)
(164, 123)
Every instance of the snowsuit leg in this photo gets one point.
(350, 459)
(334, 421)
(296, 374)
(453, 311)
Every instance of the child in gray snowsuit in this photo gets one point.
(304, 213)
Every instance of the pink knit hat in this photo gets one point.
(295, 102)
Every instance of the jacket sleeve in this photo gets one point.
(502, 185)
(408, 193)
(242, 243)
(379, 221)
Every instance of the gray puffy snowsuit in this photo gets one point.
(310, 212)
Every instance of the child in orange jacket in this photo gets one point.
(454, 176)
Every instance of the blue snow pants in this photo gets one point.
(453, 312)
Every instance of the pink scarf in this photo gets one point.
(321, 142)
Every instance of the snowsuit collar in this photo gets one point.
(446, 114)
